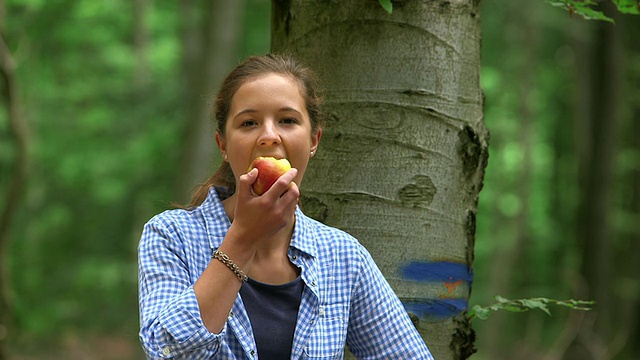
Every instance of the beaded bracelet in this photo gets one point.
(225, 259)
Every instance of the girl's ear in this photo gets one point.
(315, 140)
(222, 144)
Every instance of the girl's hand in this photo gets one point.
(259, 218)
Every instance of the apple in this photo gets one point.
(269, 170)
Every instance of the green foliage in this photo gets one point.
(387, 5)
(104, 155)
(528, 205)
(522, 305)
(582, 8)
(105, 158)
(590, 9)
(628, 6)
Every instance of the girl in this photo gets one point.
(239, 276)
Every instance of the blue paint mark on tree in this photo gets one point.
(435, 309)
(450, 275)
(436, 271)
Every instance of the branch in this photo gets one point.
(521, 305)
(19, 132)
(592, 10)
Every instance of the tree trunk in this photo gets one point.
(594, 230)
(628, 253)
(512, 256)
(635, 207)
(17, 181)
(210, 48)
(402, 162)
(633, 314)
(140, 44)
(565, 139)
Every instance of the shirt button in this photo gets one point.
(313, 283)
(166, 351)
(321, 311)
(252, 352)
(294, 257)
(231, 314)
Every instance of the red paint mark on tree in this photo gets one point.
(452, 285)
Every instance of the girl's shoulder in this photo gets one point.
(330, 239)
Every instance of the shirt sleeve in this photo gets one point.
(170, 323)
(379, 326)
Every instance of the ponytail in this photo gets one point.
(222, 177)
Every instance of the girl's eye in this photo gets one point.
(248, 123)
(289, 121)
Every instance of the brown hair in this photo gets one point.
(251, 68)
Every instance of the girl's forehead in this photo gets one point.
(272, 79)
(269, 88)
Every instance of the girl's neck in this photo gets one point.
(271, 264)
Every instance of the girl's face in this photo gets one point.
(268, 117)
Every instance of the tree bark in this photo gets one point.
(401, 164)
(17, 181)
(210, 47)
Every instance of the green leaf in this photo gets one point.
(628, 6)
(521, 305)
(536, 304)
(387, 5)
(480, 312)
(591, 14)
(514, 307)
(583, 8)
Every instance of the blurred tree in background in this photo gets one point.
(559, 212)
(115, 94)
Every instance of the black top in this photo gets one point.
(273, 311)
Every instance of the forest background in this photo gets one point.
(109, 96)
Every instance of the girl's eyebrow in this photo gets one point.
(252, 111)
(289, 109)
(245, 111)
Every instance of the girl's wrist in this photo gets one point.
(240, 251)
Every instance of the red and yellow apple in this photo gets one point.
(269, 170)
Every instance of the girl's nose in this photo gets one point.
(269, 134)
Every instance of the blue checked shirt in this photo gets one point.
(345, 300)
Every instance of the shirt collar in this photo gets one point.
(304, 238)
(217, 223)
(215, 218)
